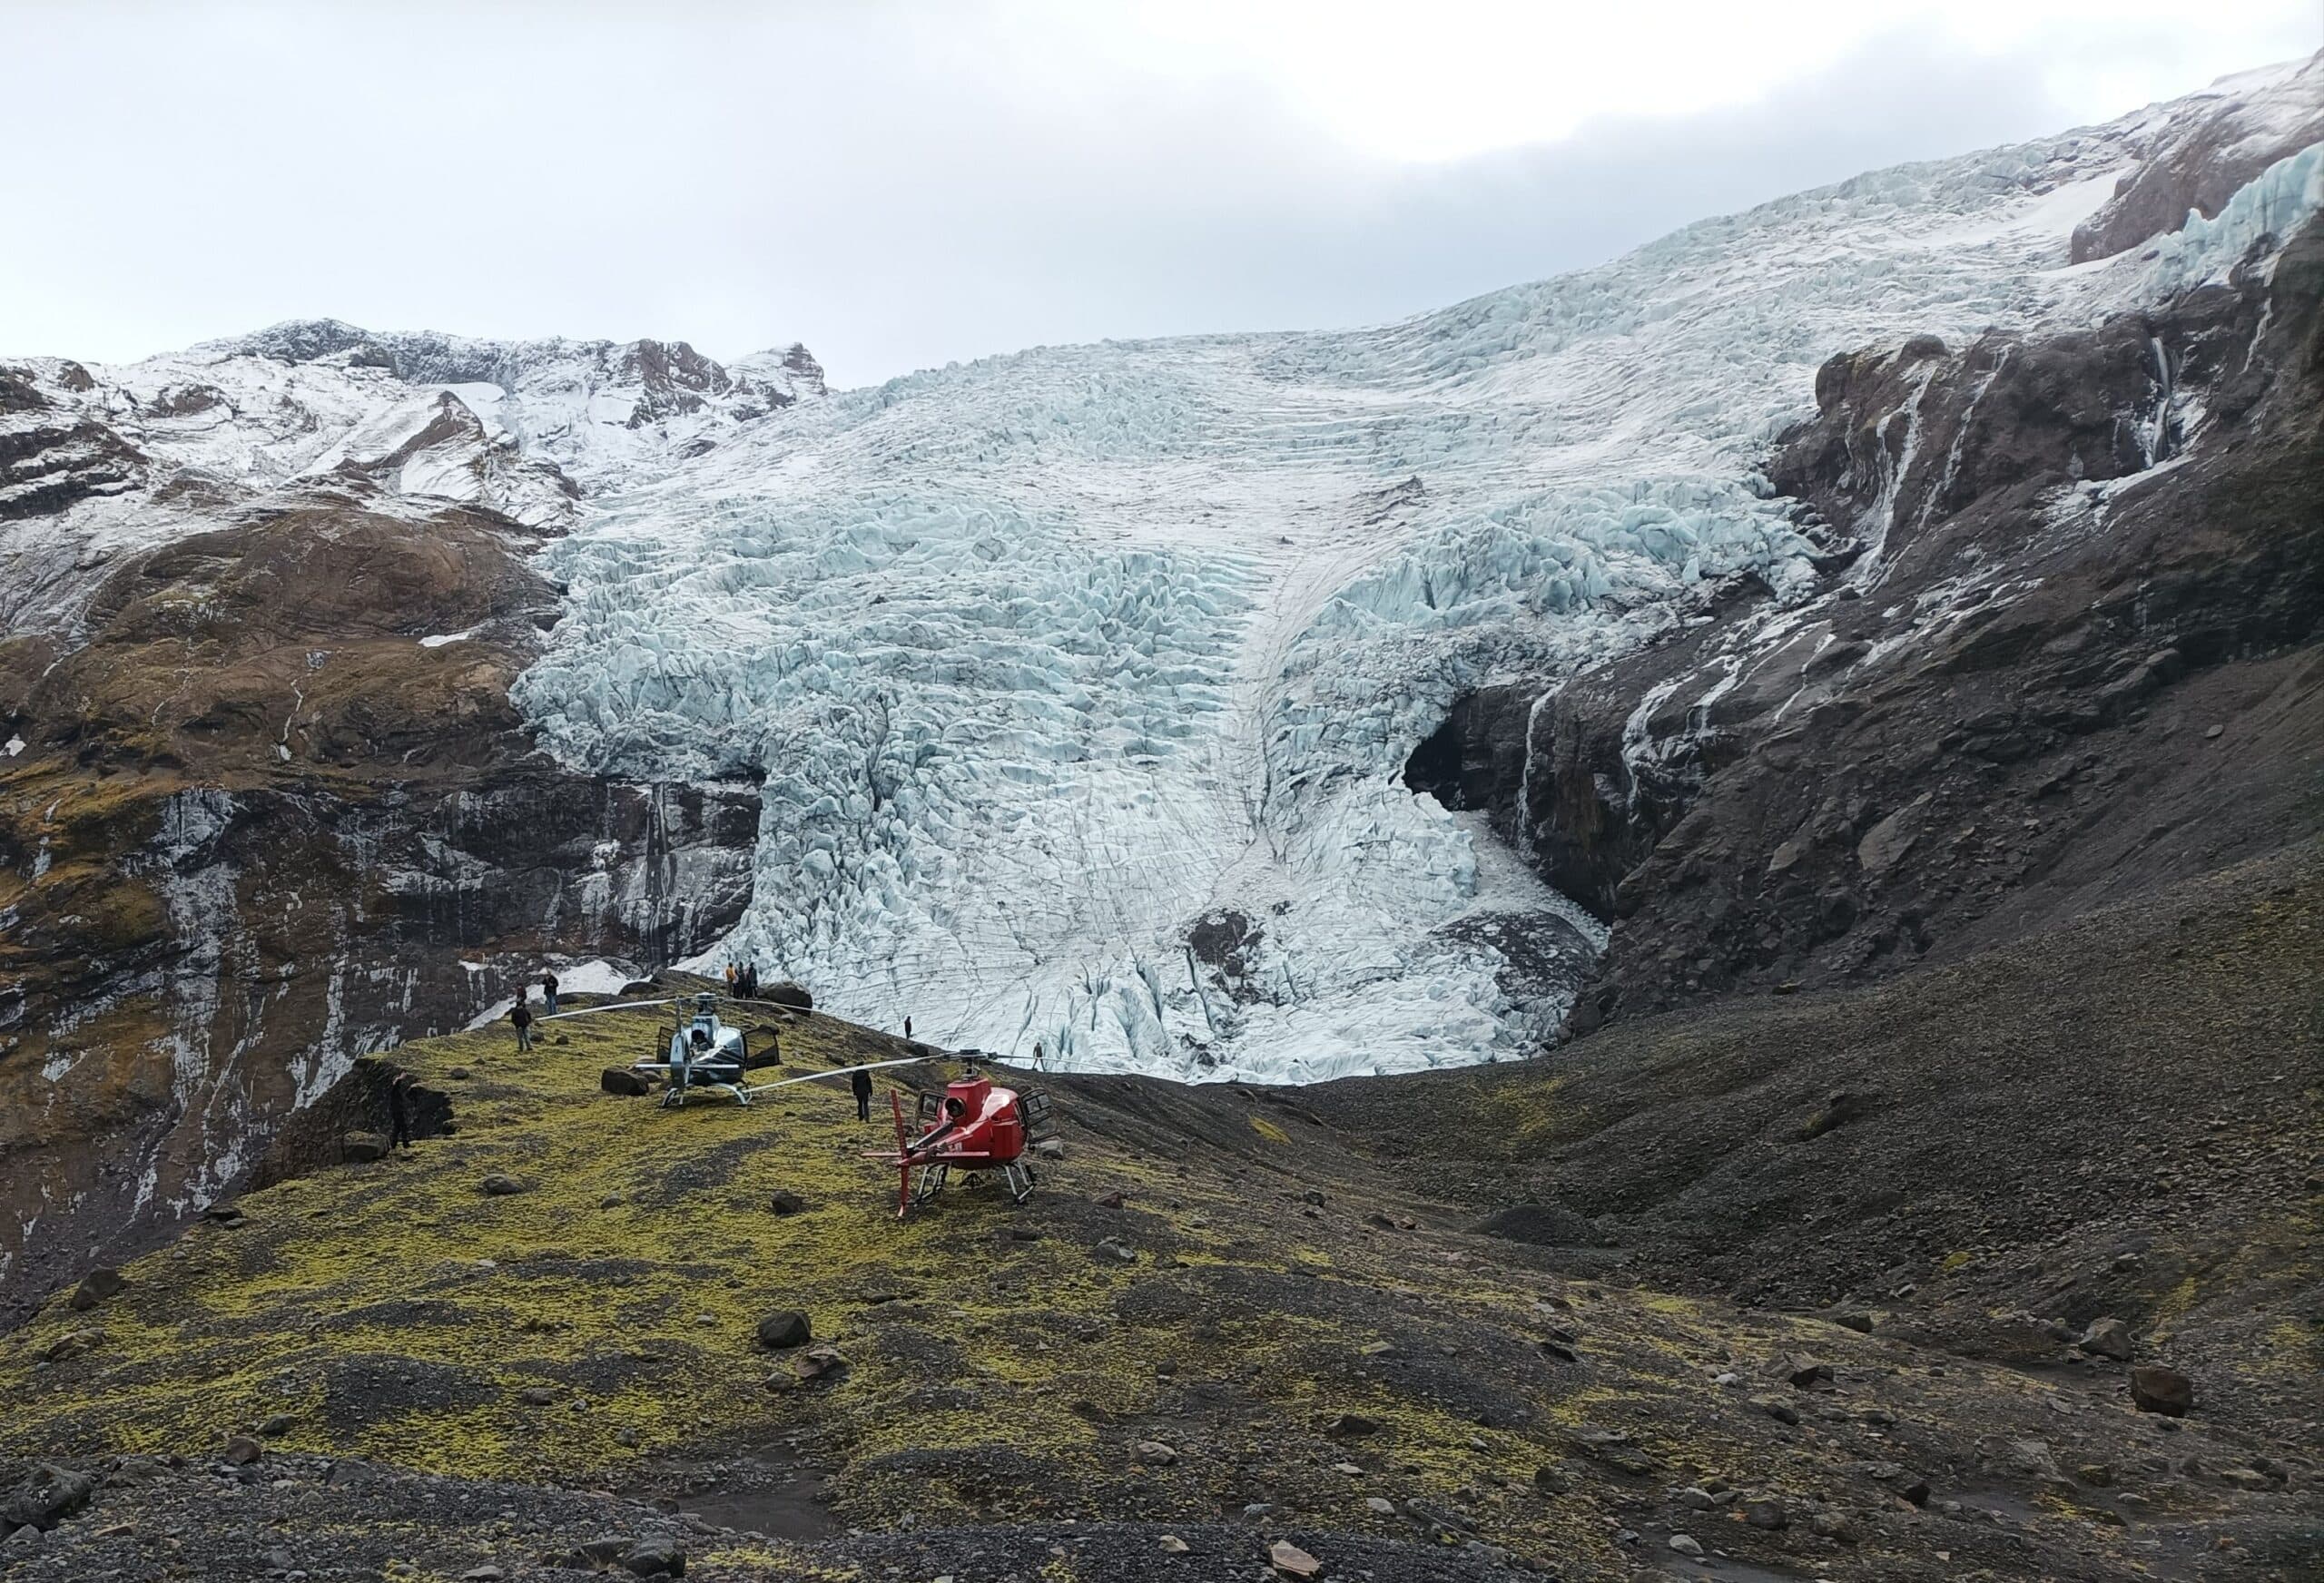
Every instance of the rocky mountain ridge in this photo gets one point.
(265, 804)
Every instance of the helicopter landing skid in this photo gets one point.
(1018, 1177)
(675, 1093)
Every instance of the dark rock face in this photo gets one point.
(1476, 758)
(258, 828)
(2197, 166)
(2067, 651)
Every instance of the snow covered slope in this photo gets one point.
(98, 461)
(1081, 679)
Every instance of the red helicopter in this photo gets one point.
(974, 1125)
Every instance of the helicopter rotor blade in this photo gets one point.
(841, 1072)
(617, 1006)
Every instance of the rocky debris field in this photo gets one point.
(1230, 1320)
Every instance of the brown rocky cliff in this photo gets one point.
(258, 826)
(2067, 651)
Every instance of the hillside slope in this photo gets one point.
(1228, 1315)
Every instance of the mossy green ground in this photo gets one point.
(999, 1365)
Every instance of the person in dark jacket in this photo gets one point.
(399, 1111)
(521, 1014)
(548, 993)
(861, 1084)
(907, 1028)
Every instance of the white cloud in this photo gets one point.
(902, 184)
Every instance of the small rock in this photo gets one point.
(362, 1147)
(785, 1327)
(1766, 1513)
(2213, 733)
(499, 1185)
(1346, 1426)
(1376, 1350)
(459, 1073)
(537, 1396)
(621, 1080)
(1686, 1545)
(241, 1450)
(97, 1285)
(2107, 1338)
(1777, 1408)
(280, 1423)
(627, 1437)
(1172, 1545)
(1695, 1498)
(1832, 1525)
(2155, 1389)
(484, 1574)
(1800, 1370)
(1111, 1201)
(1292, 1561)
(71, 1344)
(46, 1496)
(658, 1557)
(1380, 1505)
(817, 1362)
(1552, 1480)
(1855, 1318)
(1350, 1469)
(1154, 1454)
(2097, 1475)
(610, 1201)
(782, 1201)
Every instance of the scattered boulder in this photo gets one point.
(2155, 1389)
(1049, 1148)
(71, 1344)
(1342, 1426)
(537, 1396)
(1833, 1524)
(1686, 1545)
(1800, 1370)
(96, 1286)
(1766, 1512)
(789, 994)
(275, 1424)
(658, 1557)
(784, 1328)
(1292, 1561)
(241, 1451)
(362, 1147)
(1113, 1250)
(784, 1201)
(1552, 1480)
(46, 1496)
(1154, 1454)
(817, 1362)
(1172, 1545)
(1777, 1408)
(499, 1185)
(1611, 1448)
(2107, 1338)
(638, 986)
(624, 1082)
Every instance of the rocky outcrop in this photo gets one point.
(2066, 650)
(266, 808)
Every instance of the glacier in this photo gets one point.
(1056, 664)
(1080, 682)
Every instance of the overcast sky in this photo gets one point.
(902, 184)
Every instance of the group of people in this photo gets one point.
(743, 980)
(521, 1014)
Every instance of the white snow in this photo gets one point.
(1047, 656)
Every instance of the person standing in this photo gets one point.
(521, 1014)
(907, 1028)
(730, 977)
(861, 1084)
(1037, 1055)
(399, 1111)
(549, 993)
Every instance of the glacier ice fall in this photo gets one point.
(1046, 659)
